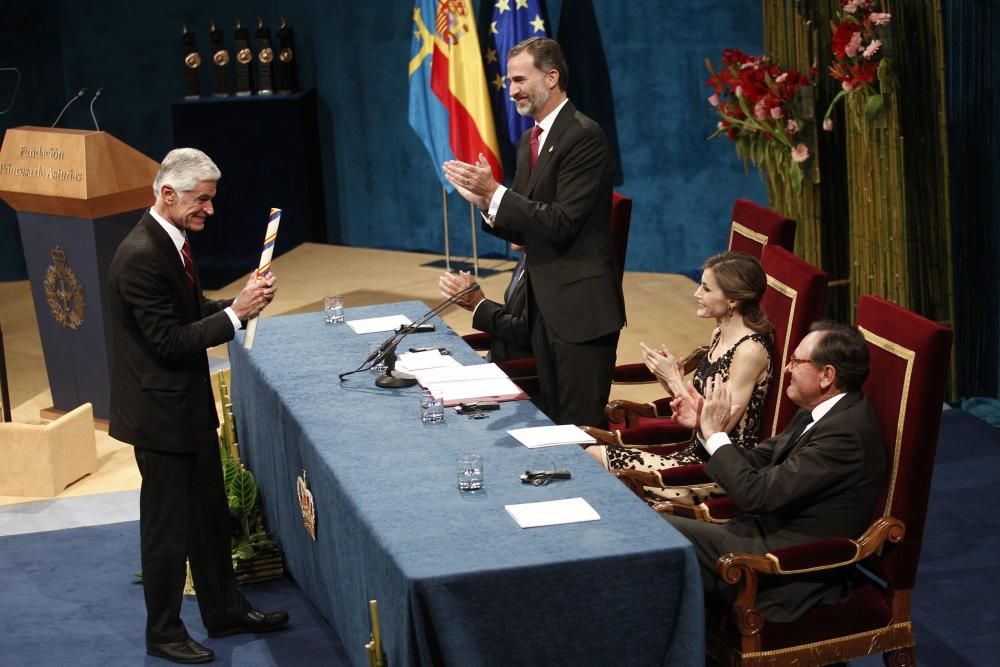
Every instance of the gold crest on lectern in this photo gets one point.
(63, 292)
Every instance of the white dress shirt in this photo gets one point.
(721, 438)
(178, 236)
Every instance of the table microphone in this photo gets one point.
(387, 349)
(80, 93)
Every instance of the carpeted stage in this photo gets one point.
(69, 596)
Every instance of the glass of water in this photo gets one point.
(470, 472)
(431, 409)
(333, 309)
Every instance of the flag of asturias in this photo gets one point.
(449, 103)
(513, 21)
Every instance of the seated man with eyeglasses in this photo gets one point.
(818, 479)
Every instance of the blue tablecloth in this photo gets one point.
(457, 582)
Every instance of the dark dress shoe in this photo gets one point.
(187, 652)
(253, 621)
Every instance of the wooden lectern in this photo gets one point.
(77, 194)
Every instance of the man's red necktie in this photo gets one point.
(188, 262)
(535, 132)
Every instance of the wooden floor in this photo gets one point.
(660, 310)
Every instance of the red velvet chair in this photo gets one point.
(910, 357)
(795, 297)
(753, 228)
(523, 371)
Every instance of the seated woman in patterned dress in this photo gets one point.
(732, 285)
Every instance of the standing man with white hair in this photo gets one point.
(162, 404)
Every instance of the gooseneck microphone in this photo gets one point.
(387, 350)
(79, 94)
(92, 100)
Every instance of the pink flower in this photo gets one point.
(852, 6)
(792, 127)
(853, 46)
(847, 85)
(759, 110)
(828, 125)
(800, 153)
(720, 125)
(713, 100)
(781, 77)
(880, 18)
(776, 113)
(871, 49)
(739, 91)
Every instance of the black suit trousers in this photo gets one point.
(574, 378)
(184, 514)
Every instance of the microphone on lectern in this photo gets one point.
(92, 100)
(80, 93)
(387, 350)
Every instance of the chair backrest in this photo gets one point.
(621, 220)
(910, 356)
(795, 298)
(753, 227)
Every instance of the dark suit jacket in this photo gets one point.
(560, 211)
(161, 397)
(508, 323)
(823, 486)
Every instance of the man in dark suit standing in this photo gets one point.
(162, 404)
(818, 479)
(559, 209)
(507, 322)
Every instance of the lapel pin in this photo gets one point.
(551, 148)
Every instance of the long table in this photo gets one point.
(457, 581)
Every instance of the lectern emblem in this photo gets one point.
(63, 292)
(306, 504)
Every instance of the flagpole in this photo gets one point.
(444, 221)
(475, 245)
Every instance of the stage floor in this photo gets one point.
(660, 309)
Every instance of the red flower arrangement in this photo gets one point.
(858, 58)
(756, 103)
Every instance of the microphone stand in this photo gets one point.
(387, 350)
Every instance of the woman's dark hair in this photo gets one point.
(741, 277)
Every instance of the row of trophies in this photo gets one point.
(263, 72)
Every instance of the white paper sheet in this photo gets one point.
(466, 391)
(460, 373)
(549, 436)
(411, 362)
(377, 324)
(552, 512)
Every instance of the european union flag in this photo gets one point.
(512, 21)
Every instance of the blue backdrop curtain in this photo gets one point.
(379, 186)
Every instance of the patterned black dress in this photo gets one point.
(744, 434)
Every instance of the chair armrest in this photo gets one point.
(479, 340)
(742, 568)
(603, 437)
(519, 369)
(632, 374)
(629, 412)
(685, 475)
(637, 479)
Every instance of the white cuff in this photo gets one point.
(495, 204)
(237, 325)
(716, 440)
(477, 308)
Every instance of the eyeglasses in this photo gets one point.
(795, 361)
